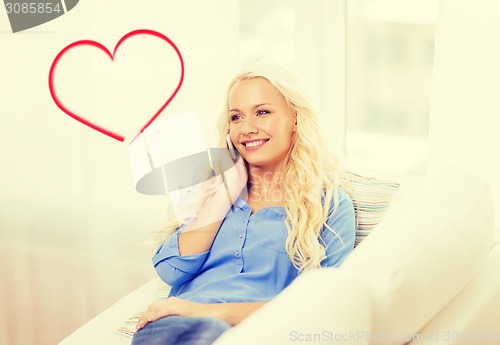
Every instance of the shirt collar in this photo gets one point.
(240, 203)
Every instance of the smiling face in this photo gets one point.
(261, 125)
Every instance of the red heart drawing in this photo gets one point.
(111, 56)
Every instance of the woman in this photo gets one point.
(290, 214)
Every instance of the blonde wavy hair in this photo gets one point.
(312, 171)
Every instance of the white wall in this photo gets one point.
(465, 111)
(72, 227)
(320, 44)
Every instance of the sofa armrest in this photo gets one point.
(472, 316)
(102, 328)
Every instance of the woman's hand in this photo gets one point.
(175, 306)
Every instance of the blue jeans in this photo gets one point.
(180, 330)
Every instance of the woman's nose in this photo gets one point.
(249, 126)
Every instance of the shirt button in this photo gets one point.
(245, 220)
(237, 253)
(241, 236)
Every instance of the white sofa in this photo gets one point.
(428, 273)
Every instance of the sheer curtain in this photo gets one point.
(73, 231)
(465, 109)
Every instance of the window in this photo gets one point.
(389, 54)
(367, 65)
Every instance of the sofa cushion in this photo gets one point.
(371, 198)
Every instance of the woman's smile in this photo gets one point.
(252, 145)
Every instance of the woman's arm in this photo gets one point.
(180, 257)
(232, 313)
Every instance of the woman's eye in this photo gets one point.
(262, 112)
(235, 117)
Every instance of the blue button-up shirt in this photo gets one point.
(248, 259)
